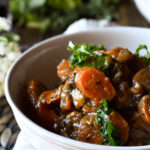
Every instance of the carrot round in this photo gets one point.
(121, 124)
(113, 52)
(120, 54)
(49, 97)
(64, 69)
(94, 84)
(143, 108)
(89, 130)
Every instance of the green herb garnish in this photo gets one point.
(109, 132)
(83, 55)
(146, 57)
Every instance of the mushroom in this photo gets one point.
(142, 78)
(144, 108)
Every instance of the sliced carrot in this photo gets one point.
(113, 52)
(121, 124)
(119, 54)
(94, 84)
(49, 97)
(143, 108)
(89, 130)
(64, 69)
(75, 118)
(90, 107)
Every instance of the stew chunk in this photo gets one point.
(94, 84)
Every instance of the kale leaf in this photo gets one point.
(83, 55)
(146, 57)
(109, 132)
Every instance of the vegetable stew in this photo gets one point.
(103, 98)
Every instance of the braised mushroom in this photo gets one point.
(142, 77)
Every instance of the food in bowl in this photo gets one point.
(103, 98)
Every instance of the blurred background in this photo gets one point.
(26, 22)
(43, 18)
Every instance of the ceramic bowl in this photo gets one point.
(40, 61)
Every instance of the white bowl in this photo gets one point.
(40, 61)
(144, 8)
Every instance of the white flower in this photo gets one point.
(10, 52)
(2, 92)
(2, 48)
(2, 76)
(5, 66)
(4, 24)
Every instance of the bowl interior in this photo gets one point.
(40, 61)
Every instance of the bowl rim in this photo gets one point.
(46, 133)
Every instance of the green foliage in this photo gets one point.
(83, 55)
(146, 57)
(64, 5)
(56, 15)
(109, 132)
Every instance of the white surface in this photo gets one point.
(47, 54)
(22, 143)
(144, 7)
